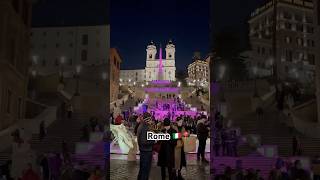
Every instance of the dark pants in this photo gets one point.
(145, 165)
(201, 148)
(170, 171)
(69, 114)
(217, 149)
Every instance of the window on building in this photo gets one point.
(287, 15)
(288, 39)
(150, 56)
(289, 55)
(263, 51)
(9, 99)
(288, 25)
(300, 27)
(311, 59)
(309, 19)
(115, 62)
(298, 17)
(299, 41)
(85, 39)
(310, 29)
(84, 55)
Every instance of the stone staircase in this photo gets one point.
(256, 162)
(68, 130)
(273, 132)
(95, 157)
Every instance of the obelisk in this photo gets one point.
(160, 70)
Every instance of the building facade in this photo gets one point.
(131, 76)
(115, 62)
(154, 64)
(199, 72)
(15, 18)
(53, 47)
(295, 39)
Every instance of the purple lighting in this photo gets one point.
(160, 82)
(167, 89)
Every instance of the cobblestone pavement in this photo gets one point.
(124, 170)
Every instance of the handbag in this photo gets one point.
(156, 147)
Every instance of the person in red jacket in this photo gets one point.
(30, 174)
(118, 120)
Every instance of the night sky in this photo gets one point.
(233, 14)
(70, 12)
(134, 23)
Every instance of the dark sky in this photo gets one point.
(134, 23)
(70, 12)
(233, 14)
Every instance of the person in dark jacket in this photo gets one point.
(42, 130)
(202, 134)
(166, 153)
(145, 147)
(44, 164)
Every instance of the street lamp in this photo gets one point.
(34, 60)
(34, 73)
(62, 61)
(77, 76)
(255, 70)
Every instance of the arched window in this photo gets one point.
(150, 56)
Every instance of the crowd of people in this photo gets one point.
(171, 155)
(282, 170)
(226, 139)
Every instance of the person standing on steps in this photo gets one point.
(180, 157)
(166, 158)
(70, 111)
(145, 147)
(42, 130)
(202, 134)
(295, 145)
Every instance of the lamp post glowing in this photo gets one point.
(77, 76)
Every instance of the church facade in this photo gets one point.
(157, 67)
(156, 64)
